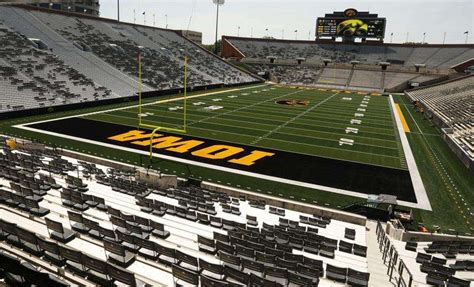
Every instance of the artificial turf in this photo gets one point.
(261, 122)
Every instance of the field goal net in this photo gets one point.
(166, 114)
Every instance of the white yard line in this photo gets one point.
(294, 118)
(307, 121)
(215, 167)
(418, 187)
(244, 107)
(256, 129)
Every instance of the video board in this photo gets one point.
(351, 23)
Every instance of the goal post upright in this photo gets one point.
(157, 128)
(139, 88)
(185, 91)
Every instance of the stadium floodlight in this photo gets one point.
(218, 3)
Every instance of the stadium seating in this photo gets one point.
(39, 76)
(279, 247)
(450, 106)
(439, 263)
(58, 59)
(432, 56)
(355, 66)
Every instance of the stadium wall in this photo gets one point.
(460, 153)
(402, 235)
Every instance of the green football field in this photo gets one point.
(251, 116)
(254, 117)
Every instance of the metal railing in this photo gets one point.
(391, 258)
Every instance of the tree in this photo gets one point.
(212, 47)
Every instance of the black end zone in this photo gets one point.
(357, 177)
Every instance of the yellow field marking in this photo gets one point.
(402, 119)
(375, 94)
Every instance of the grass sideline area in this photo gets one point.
(431, 153)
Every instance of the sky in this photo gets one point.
(282, 18)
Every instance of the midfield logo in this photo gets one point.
(197, 148)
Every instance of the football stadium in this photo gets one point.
(132, 154)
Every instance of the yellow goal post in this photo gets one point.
(157, 128)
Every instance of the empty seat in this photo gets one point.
(76, 222)
(147, 248)
(421, 257)
(357, 278)
(51, 252)
(182, 276)
(276, 274)
(336, 273)
(206, 245)
(97, 270)
(29, 242)
(229, 260)
(252, 220)
(215, 271)
(186, 261)
(259, 281)
(57, 232)
(166, 255)
(73, 260)
(122, 275)
(159, 229)
(117, 254)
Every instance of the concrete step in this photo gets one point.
(376, 267)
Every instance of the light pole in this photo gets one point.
(218, 3)
(154, 23)
(266, 32)
(424, 37)
(134, 17)
(166, 21)
(391, 37)
(118, 10)
(296, 34)
(467, 36)
(238, 31)
(444, 37)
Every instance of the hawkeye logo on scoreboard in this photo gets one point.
(350, 12)
(197, 148)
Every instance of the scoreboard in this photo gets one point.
(351, 24)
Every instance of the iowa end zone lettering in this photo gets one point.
(304, 168)
(231, 154)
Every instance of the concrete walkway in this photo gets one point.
(377, 270)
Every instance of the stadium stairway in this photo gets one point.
(378, 276)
